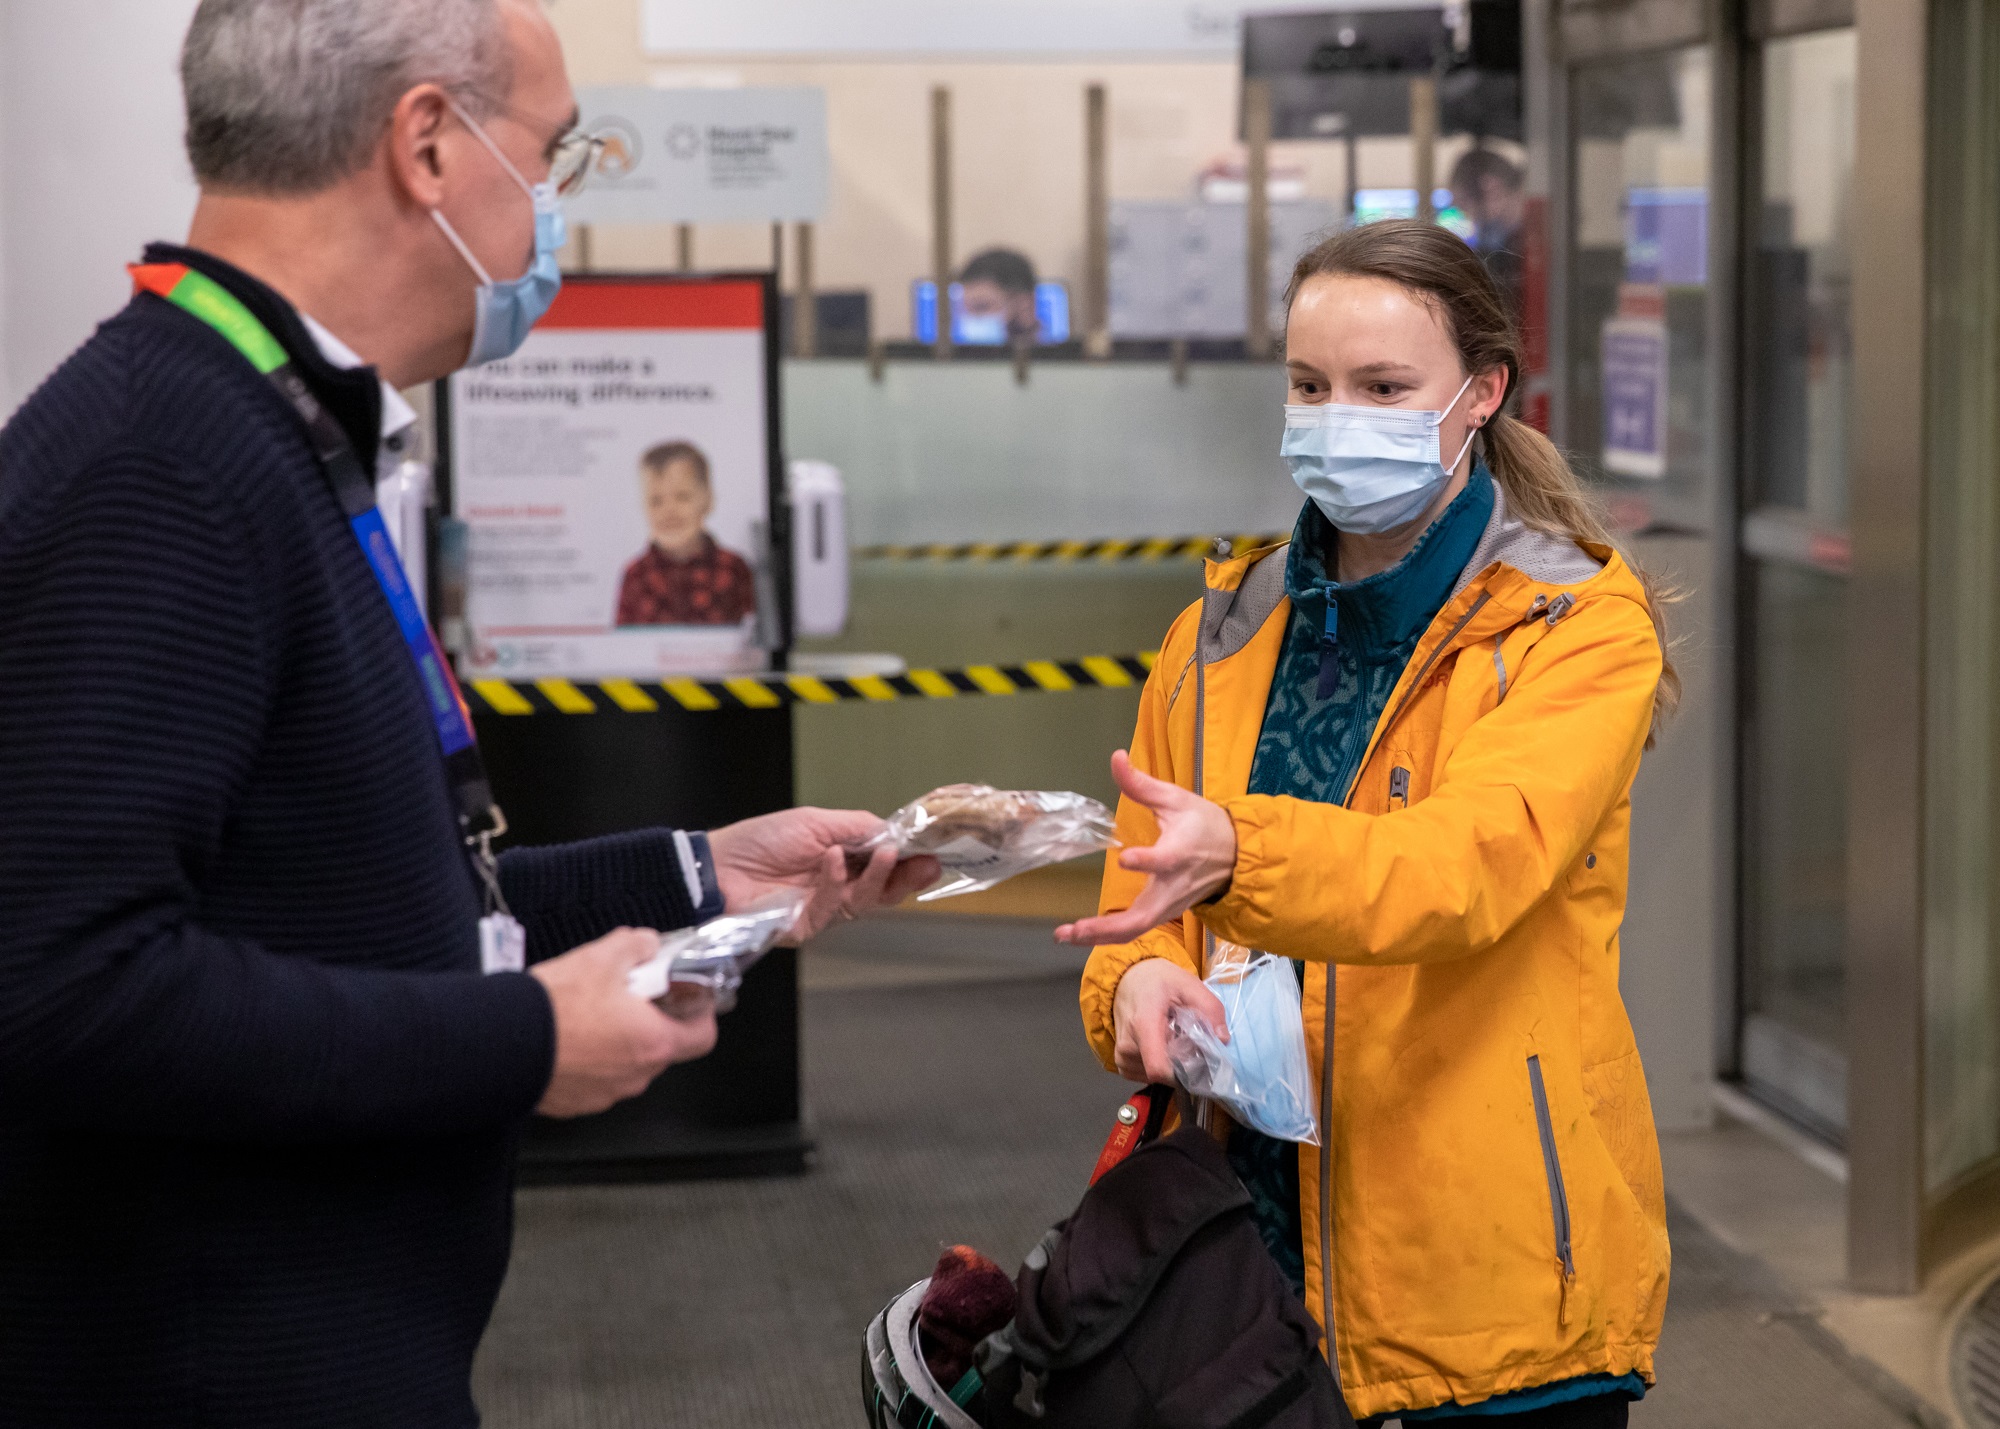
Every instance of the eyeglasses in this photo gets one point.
(571, 154)
(571, 158)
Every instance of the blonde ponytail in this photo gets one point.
(1543, 491)
(1541, 488)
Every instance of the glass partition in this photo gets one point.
(1961, 943)
(1638, 322)
(1797, 356)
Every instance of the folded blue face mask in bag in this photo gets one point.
(1260, 1075)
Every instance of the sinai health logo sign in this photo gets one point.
(704, 156)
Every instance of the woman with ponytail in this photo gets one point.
(1399, 751)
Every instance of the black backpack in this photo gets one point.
(1156, 1304)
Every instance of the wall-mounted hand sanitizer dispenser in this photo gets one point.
(404, 498)
(819, 549)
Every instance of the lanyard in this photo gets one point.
(479, 818)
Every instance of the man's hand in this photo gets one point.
(609, 1044)
(1192, 861)
(808, 849)
(1148, 992)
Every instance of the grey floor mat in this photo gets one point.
(950, 1103)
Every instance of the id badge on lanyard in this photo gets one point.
(502, 941)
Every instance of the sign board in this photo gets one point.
(1193, 28)
(1666, 236)
(1178, 268)
(704, 156)
(1634, 367)
(616, 478)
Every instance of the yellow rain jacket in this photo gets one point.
(1488, 1193)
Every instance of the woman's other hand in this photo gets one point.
(1147, 994)
(1192, 861)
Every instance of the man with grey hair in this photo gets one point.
(271, 1013)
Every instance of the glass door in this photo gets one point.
(1638, 339)
(1793, 549)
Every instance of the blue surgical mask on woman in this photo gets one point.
(1368, 469)
(507, 311)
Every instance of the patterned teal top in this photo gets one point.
(1343, 653)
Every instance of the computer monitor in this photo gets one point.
(1051, 315)
(1372, 205)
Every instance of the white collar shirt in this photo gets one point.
(398, 416)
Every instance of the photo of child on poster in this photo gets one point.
(614, 478)
(685, 577)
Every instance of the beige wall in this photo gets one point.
(1017, 152)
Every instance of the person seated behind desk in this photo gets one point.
(996, 294)
(1400, 751)
(685, 577)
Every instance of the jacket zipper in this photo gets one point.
(1326, 1051)
(1327, 1037)
(1200, 782)
(1558, 1197)
(1326, 1179)
(1399, 788)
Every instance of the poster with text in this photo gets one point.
(1633, 359)
(615, 477)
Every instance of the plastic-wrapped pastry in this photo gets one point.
(714, 956)
(985, 836)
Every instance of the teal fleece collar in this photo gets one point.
(1383, 613)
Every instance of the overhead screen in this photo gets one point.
(1206, 28)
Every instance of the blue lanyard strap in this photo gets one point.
(195, 293)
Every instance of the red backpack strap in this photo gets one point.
(1139, 1121)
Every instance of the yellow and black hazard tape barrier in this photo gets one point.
(1146, 548)
(763, 692)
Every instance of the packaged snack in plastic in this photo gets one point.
(714, 956)
(1261, 1074)
(985, 836)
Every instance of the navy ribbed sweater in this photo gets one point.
(257, 1103)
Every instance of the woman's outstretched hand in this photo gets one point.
(1192, 861)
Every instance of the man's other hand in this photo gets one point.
(808, 849)
(609, 1044)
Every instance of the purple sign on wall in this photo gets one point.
(1634, 366)
(1666, 236)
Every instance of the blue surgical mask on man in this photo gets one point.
(507, 311)
(982, 329)
(1368, 469)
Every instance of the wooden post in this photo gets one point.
(583, 245)
(1257, 233)
(1096, 226)
(1353, 175)
(1423, 139)
(778, 254)
(941, 214)
(805, 303)
(684, 246)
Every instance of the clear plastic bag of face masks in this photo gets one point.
(707, 962)
(985, 836)
(1261, 1075)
